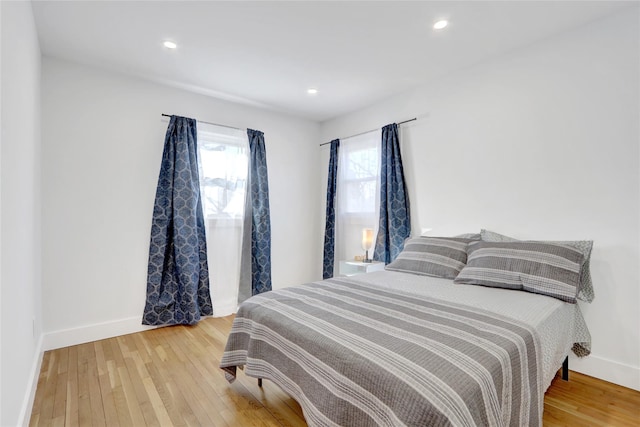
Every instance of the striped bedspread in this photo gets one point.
(356, 355)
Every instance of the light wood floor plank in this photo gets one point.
(113, 359)
(60, 399)
(104, 381)
(95, 394)
(71, 407)
(49, 389)
(84, 405)
(38, 400)
(170, 377)
(163, 393)
(133, 403)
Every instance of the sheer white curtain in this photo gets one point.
(357, 194)
(223, 162)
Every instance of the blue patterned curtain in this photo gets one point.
(395, 225)
(257, 222)
(330, 222)
(178, 275)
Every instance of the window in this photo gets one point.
(223, 162)
(223, 171)
(359, 179)
(358, 193)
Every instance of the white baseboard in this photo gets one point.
(225, 310)
(607, 370)
(27, 403)
(100, 331)
(93, 332)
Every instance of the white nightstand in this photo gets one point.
(351, 268)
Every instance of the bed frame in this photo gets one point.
(565, 369)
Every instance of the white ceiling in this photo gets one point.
(268, 53)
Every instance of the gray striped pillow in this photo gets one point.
(585, 293)
(432, 256)
(536, 267)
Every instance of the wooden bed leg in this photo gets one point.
(565, 369)
(259, 382)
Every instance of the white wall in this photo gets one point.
(542, 143)
(20, 194)
(1, 365)
(103, 136)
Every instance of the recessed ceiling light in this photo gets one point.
(312, 91)
(440, 24)
(170, 45)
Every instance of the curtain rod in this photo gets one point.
(362, 133)
(209, 123)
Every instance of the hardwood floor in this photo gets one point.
(170, 376)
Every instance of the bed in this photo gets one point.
(392, 348)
